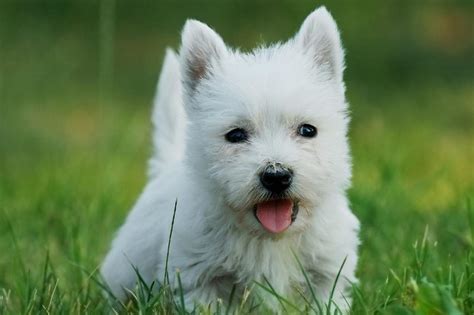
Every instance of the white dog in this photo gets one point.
(253, 148)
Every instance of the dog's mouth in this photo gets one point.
(276, 215)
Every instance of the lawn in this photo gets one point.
(76, 82)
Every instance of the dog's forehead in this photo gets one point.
(272, 73)
(271, 83)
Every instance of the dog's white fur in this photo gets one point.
(217, 241)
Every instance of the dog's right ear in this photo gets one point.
(201, 50)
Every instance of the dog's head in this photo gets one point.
(268, 128)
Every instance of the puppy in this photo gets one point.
(253, 149)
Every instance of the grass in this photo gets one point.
(64, 194)
(74, 139)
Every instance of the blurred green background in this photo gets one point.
(76, 83)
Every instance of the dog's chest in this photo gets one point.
(267, 262)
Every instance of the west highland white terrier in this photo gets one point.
(253, 148)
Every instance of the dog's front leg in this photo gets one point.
(199, 297)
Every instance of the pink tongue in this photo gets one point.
(275, 215)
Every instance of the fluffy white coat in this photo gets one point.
(217, 242)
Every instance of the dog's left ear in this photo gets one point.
(319, 37)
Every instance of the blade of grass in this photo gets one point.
(17, 253)
(361, 301)
(231, 297)
(280, 298)
(45, 280)
(181, 294)
(470, 217)
(308, 283)
(333, 290)
(166, 277)
(308, 302)
(102, 286)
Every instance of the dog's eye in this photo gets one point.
(237, 135)
(307, 131)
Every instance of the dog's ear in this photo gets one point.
(319, 37)
(201, 50)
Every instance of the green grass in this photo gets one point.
(71, 175)
(75, 137)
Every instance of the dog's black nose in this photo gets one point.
(276, 178)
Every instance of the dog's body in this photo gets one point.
(227, 124)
